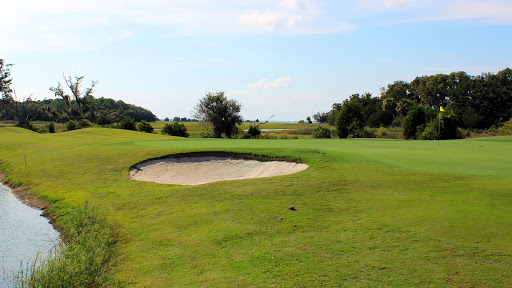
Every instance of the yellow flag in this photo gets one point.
(441, 108)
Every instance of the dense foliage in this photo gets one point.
(322, 132)
(104, 111)
(144, 126)
(73, 105)
(221, 112)
(128, 124)
(470, 102)
(175, 129)
(254, 131)
(350, 120)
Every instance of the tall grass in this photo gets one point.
(83, 260)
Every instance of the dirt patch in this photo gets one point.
(25, 196)
(28, 198)
(196, 169)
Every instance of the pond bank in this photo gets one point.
(26, 234)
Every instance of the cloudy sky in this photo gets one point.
(290, 58)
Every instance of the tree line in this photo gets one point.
(71, 103)
(469, 102)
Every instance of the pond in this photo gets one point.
(24, 234)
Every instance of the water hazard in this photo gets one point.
(24, 234)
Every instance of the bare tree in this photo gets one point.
(78, 102)
(24, 111)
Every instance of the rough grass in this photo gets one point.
(84, 260)
(369, 212)
(302, 129)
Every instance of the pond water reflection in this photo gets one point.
(24, 234)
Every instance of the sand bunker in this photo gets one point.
(201, 170)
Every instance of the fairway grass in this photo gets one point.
(369, 212)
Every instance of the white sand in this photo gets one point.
(201, 170)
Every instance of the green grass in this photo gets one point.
(84, 260)
(370, 212)
(301, 130)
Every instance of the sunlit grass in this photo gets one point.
(370, 212)
(84, 260)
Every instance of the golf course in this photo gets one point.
(367, 212)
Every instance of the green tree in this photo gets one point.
(51, 127)
(321, 117)
(350, 120)
(221, 112)
(431, 90)
(5, 86)
(128, 124)
(144, 126)
(414, 119)
(397, 91)
(380, 118)
(5, 78)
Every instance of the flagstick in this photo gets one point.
(439, 130)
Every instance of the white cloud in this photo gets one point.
(284, 15)
(492, 11)
(488, 12)
(259, 84)
(278, 83)
(29, 25)
(294, 16)
(281, 82)
(293, 5)
(396, 3)
(271, 20)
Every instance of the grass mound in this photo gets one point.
(368, 212)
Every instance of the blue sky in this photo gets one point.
(288, 58)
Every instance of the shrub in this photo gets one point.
(144, 126)
(72, 125)
(84, 123)
(414, 118)
(463, 133)
(127, 123)
(381, 132)
(322, 132)
(254, 131)
(175, 129)
(365, 132)
(429, 133)
(442, 127)
(350, 120)
(506, 129)
(204, 134)
(51, 127)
